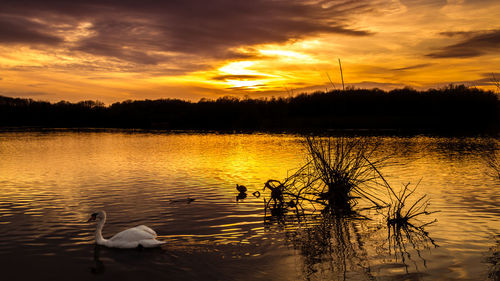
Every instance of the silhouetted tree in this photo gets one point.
(453, 108)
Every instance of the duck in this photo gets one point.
(241, 188)
(135, 237)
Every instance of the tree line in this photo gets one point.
(453, 108)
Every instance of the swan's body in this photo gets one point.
(139, 236)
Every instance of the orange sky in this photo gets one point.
(111, 50)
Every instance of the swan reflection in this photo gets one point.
(98, 267)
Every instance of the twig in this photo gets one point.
(341, 75)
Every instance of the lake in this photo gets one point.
(50, 183)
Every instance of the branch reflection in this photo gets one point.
(403, 239)
(350, 246)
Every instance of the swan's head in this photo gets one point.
(98, 216)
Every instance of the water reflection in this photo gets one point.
(241, 196)
(242, 192)
(50, 182)
(337, 177)
(98, 267)
(494, 260)
(405, 239)
(110, 261)
(332, 248)
(339, 246)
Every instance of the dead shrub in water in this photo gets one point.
(276, 188)
(336, 174)
(402, 212)
(342, 170)
(404, 225)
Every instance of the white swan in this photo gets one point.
(131, 238)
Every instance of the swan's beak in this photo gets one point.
(92, 217)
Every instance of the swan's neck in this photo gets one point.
(98, 232)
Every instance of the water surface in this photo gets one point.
(50, 182)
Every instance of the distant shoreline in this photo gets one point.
(455, 110)
(319, 132)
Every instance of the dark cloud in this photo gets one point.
(150, 31)
(237, 77)
(424, 3)
(98, 47)
(35, 85)
(417, 66)
(178, 67)
(20, 30)
(491, 79)
(250, 88)
(491, 75)
(460, 33)
(21, 94)
(380, 85)
(477, 45)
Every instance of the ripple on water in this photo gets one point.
(50, 183)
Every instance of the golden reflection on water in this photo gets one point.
(50, 182)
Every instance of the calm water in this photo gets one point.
(51, 182)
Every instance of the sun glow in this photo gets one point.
(240, 76)
(288, 56)
(265, 71)
(248, 84)
(139, 56)
(239, 68)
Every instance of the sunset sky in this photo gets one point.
(112, 50)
